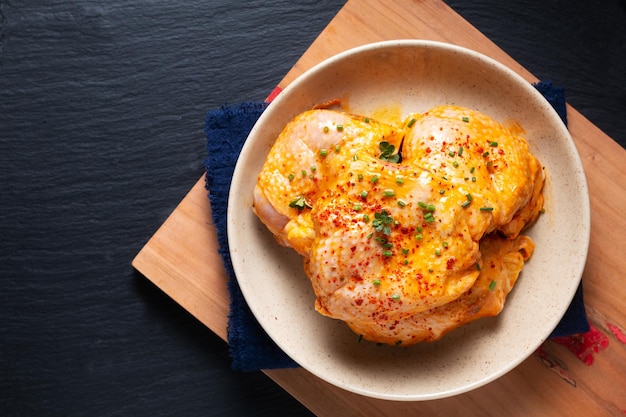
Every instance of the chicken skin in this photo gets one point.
(502, 259)
(394, 222)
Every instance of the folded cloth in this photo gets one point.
(249, 346)
(226, 129)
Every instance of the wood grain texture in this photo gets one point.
(552, 383)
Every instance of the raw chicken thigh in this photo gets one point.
(397, 223)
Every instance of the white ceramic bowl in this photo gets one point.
(412, 75)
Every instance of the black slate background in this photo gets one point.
(101, 135)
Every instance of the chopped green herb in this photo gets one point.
(455, 164)
(395, 297)
(387, 253)
(389, 192)
(444, 244)
(376, 282)
(375, 179)
(360, 177)
(411, 123)
(427, 207)
(486, 209)
(300, 203)
(357, 207)
(360, 338)
(451, 153)
(405, 251)
(366, 120)
(384, 242)
(469, 197)
(486, 153)
(382, 221)
(418, 236)
(291, 177)
(466, 203)
(472, 170)
(465, 119)
(399, 180)
(313, 168)
(473, 179)
(460, 150)
(401, 203)
(478, 267)
(323, 152)
(355, 158)
(339, 128)
(437, 252)
(303, 172)
(366, 218)
(492, 285)
(387, 153)
(406, 262)
(493, 143)
(337, 148)
(363, 194)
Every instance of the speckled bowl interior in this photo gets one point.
(413, 75)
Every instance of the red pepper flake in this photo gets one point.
(450, 263)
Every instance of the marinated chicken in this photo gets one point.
(397, 223)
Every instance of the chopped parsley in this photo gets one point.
(387, 153)
(300, 203)
(382, 222)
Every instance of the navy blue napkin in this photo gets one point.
(250, 347)
(226, 129)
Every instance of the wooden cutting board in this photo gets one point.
(181, 258)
